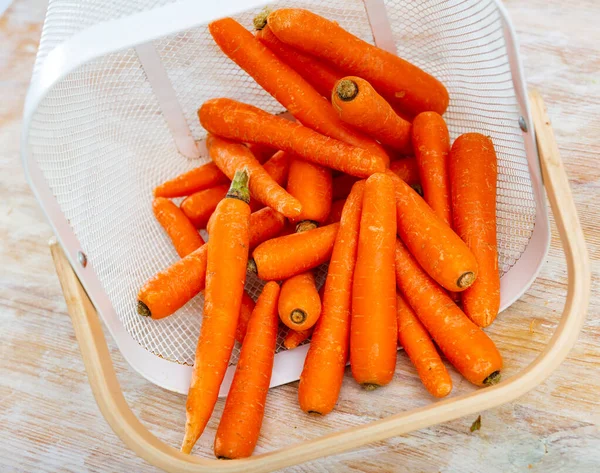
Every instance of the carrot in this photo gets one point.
(182, 233)
(230, 156)
(358, 104)
(227, 256)
(403, 84)
(431, 143)
(245, 313)
(473, 174)
(417, 344)
(373, 327)
(190, 182)
(321, 378)
(242, 417)
(440, 251)
(299, 302)
(314, 71)
(311, 184)
(465, 345)
(293, 338)
(342, 185)
(285, 84)
(262, 153)
(335, 214)
(278, 167)
(199, 206)
(243, 122)
(407, 169)
(286, 256)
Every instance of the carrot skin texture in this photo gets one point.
(278, 167)
(293, 338)
(199, 206)
(473, 172)
(190, 182)
(245, 313)
(311, 184)
(374, 329)
(407, 169)
(182, 233)
(463, 343)
(299, 297)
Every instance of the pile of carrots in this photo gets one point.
(365, 179)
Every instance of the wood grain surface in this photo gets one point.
(49, 421)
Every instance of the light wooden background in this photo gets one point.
(49, 421)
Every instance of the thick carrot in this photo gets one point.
(465, 345)
(473, 174)
(314, 71)
(230, 156)
(182, 233)
(374, 330)
(299, 302)
(243, 122)
(417, 344)
(325, 362)
(285, 84)
(407, 169)
(310, 183)
(293, 339)
(245, 312)
(286, 256)
(431, 143)
(200, 178)
(403, 84)
(242, 417)
(227, 256)
(278, 167)
(335, 214)
(262, 153)
(199, 206)
(440, 251)
(358, 104)
(342, 185)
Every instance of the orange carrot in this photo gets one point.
(335, 214)
(403, 84)
(325, 362)
(285, 84)
(262, 153)
(299, 302)
(199, 206)
(440, 251)
(431, 143)
(293, 339)
(358, 104)
(227, 256)
(473, 173)
(342, 185)
(285, 256)
(373, 328)
(317, 73)
(242, 417)
(245, 313)
(278, 167)
(465, 345)
(182, 233)
(190, 182)
(243, 122)
(310, 183)
(417, 344)
(230, 156)
(407, 169)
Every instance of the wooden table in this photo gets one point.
(49, 420)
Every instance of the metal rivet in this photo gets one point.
(82, 258)
(523, 124)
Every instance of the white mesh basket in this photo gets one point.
(111, 113)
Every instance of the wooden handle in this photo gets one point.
(113, 406)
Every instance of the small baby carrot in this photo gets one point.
(199, 206)
(245, 313)
(310, 183)
(299, 302)
(182, 233)
(293, 339)
(200, 178)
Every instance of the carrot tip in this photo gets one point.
(143, 309)
(418, 189)
(314, 412)
(298, 316)
(306, 225)
(251, 267)
(466, 279)
(370, 386)
(492, 379)
(260, 20)
(346, 90)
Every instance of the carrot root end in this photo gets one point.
(306, 225)
(239, 186)
(251, 267)
(347, 90)
(298, 316)
(370, 386)
(314, 412)
(260, 20)
(492, 379)
(466, 279)
(143, 309)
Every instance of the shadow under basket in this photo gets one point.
(111, 113)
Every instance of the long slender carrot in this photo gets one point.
(243, 122)
(293, 338)
(182, 233)
(342, 185)
(262, 153)
(335, 214)
(227, 256)
(285, 84)
(314, 71)
(242, 417)
(465, 345)
(440, 251)
(311, 184)
(358, 104)
(299, 302)
(473, 173)
(417, 344)
(373, 330)
(230, 156)
(286, 256)
(199, 206)
(321, 378)
(278, 167)
(407, 169)
(245, 312)
(403, 84)
(200, 178)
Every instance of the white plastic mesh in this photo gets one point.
(103, 144)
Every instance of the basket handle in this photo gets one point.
(117, 413)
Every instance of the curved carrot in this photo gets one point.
(310, 183)
(335, 214)
(407, 169)
(403, 84)
(286, 256)
(342, 185)
(278, 167)
(243, 122)
(242, 417)
(245, 312)
(262, 153)
(358, 104)
(473, 173)
(299, 302)
(182, 233)
(227, 256)
(465, 345)
(417, 344)
(373, 330)
(440, 251)
(200, 178)
(293, 339)
(230, 156)
(199, 206)
(323, 372)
